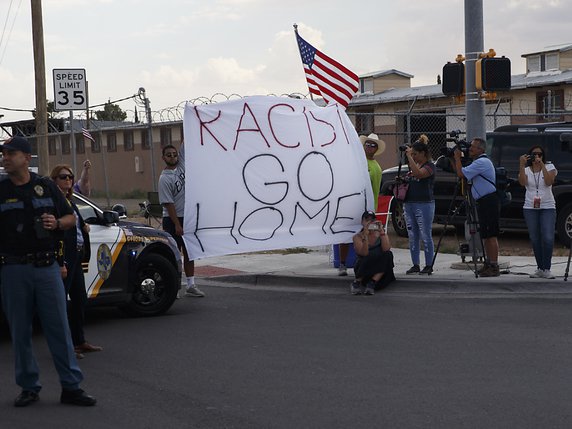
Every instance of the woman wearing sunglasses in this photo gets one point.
(539, 209)
(76, 251)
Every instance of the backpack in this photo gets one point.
(502, 183)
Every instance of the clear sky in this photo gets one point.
(183, 49)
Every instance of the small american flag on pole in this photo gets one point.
(326, 77)
(87, 134)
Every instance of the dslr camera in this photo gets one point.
(529, 159)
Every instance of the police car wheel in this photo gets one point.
(155, 287)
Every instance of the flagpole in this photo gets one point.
(296, 32)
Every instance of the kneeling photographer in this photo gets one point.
(481, 174)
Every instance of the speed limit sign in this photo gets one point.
(69, 89)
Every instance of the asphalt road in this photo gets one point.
(317, 358)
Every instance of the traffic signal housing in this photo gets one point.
(493, 74)
(453, 79)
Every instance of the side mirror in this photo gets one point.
(110, 217)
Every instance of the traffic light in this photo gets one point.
(453, 79)
(493, 74)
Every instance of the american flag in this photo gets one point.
(87, 134)
(326, 77)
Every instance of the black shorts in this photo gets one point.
(169, 226)
(488, 209)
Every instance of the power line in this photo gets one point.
(11, 28)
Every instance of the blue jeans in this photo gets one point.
(419, 221)
(540, 224)
(29, 290)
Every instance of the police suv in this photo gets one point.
(132, 266)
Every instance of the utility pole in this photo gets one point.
(143, 96)
(40, 83)
(474, 42)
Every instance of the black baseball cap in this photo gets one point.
(368, 214)
(17, 143)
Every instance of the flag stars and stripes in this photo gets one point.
(325, 76)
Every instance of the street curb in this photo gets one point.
(419, 285)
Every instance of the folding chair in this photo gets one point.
(383, 213)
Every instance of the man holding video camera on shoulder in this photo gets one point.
(481, 174)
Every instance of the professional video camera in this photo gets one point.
(460, 144)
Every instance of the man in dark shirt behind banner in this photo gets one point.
(33, 214)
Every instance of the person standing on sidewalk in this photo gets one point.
(481, 173)
(372, 146)
(76, 251)
(172, 197)
(419, 204)
(539, 207)
(33, 214)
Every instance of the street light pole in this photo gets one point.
(143, 96)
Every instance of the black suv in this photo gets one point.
(504, 147)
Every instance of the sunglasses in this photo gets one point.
(65, 176)
(537, 153)
(171, 155)
(370, 145)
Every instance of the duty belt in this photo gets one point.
(29, 258)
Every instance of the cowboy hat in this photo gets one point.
(374, 139)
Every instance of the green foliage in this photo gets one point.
(111, 112)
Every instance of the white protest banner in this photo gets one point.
(271, 173)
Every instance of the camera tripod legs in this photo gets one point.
(568, 263)
(472, 222)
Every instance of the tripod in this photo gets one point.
(568, 264)
(472, 221)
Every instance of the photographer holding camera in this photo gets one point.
(374, 266)
(419, 204)
(539, 209)
(481, 174)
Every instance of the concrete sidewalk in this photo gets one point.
(316, 269)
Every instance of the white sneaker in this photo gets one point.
(194, 292)
(538, 274)
(342, 270)
(547, 274)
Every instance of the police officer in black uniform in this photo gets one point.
(33, 214)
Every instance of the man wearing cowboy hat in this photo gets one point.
(372, 146)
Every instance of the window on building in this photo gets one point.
(128, 143)
(366, 85)
(182, 131)
(550, 104)
(145, 144)
(65, 144)
(112, 142)
(166, 138)
(533, 63)
(79, 144)
(552, 61)
(52, 146)
(96, 143)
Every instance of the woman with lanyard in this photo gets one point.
(76, 250)
(419, 204)
(539, 209)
